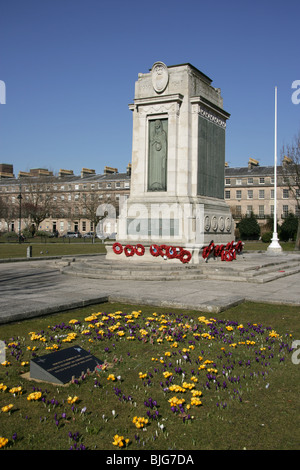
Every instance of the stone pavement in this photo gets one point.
(37, 287)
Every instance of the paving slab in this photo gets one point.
(34, 288)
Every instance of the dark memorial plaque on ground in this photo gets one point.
(60, 367)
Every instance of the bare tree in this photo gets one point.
(39, 200)
(8, 212)
(89, 205)
(291, 175)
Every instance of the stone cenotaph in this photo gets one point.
(178, 161)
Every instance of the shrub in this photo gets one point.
(288, 229)
(249, 228)
(267, 237)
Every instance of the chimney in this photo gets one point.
(63, 173)
(87, 172)
(108, 170)
(252, 163)
(6, 170)
(40, 172)
(24, 174)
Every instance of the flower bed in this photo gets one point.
(162, 371)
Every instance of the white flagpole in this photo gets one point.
(274, 247)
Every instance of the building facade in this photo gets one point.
(250, 189)
(62, 203)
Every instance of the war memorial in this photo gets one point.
(178, 160)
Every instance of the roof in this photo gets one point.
(254, 171)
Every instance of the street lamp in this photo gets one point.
(20, 212)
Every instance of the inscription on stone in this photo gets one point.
(60, 367)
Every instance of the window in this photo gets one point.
(92, 186)
(261, 211)
(77, 187)
(272, 209)
(285, 210)
(238, 210)
(76, 197)
(272, 193)
(62, 188)
(285, 193)
(238, 181)
(118, 185)
(261, 180)
(69, 197)
(250, 194)
(250, 180)
(249, 211)
(108, 185)
(261, 194)
(126, 184)
(227, 194)
(84, 226)
(238, 194)
(227, 181)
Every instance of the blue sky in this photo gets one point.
(70, 66)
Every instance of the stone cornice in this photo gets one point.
(154, 100)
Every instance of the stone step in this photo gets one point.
(264, 271)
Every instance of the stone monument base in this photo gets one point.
(154, 253)
(187, 223)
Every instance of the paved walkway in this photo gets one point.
(34, 288)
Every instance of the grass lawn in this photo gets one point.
(16, 250)
(173, 380)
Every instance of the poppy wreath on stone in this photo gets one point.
(185, 256)
(228, 255)
(178, 251)
(207, 250)
(171, 252)
(239, 247)
(129, 250)
(117, 248)
(218, 250)
(139, 249)
(163, 250)
(155, 250)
